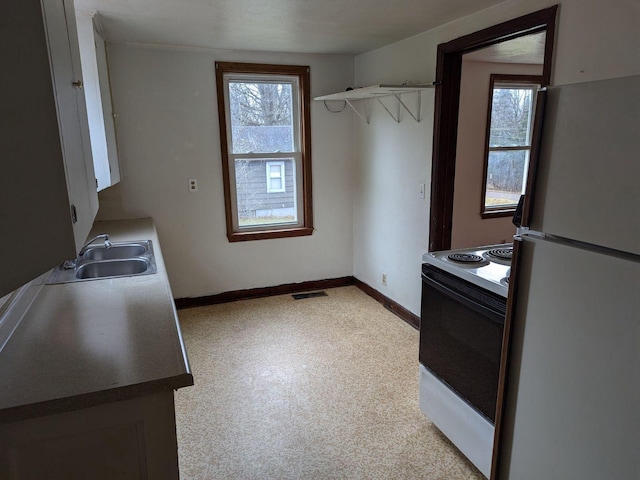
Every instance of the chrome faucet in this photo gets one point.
(72, 264)
(107, 243)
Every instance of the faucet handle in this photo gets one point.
(69, 264)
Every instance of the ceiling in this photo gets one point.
(304, 26)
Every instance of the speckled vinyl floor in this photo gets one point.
(320, 388)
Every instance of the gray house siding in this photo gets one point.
(254, 199)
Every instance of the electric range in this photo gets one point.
(464, 297)
(487, 267)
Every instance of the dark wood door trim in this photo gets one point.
(447, 100)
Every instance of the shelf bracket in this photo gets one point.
(367, 117)
(417, 116)
(395, 117)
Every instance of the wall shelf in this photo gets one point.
(378, 92)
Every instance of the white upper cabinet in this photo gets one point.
(97, 93)
(48, 197)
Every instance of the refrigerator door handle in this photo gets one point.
(599, 249)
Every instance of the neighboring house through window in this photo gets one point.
(508, 142)
(266, 154)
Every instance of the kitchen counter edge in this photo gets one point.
(179, 377)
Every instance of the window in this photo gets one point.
(265, 129)
(275, 177)
(508, 145)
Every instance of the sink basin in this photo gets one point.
(117, 251)
(112, 268)
(121, 259)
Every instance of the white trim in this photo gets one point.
(507, 85)
(282, 176)
(295, 155)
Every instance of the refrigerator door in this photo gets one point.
(572, 406)
(587, 186)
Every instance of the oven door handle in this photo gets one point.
(476, 306)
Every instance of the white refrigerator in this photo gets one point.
(572, 402)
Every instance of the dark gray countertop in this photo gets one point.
(87, 343)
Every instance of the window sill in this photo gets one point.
(506, 212)
(269, 234)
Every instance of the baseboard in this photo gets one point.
(262, 292)
(389, 304)
(289, 288)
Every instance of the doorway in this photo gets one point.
(498, 93)
(447, 104)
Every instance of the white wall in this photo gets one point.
(168, 132)
(390, 236)
(469, 229)
(594, 40)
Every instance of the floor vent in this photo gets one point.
(300, 296)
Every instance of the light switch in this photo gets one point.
(421, 188)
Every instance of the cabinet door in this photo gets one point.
(97, 95)
(42, 171)
(66, 70)
(34, 207)
(107, 108)
(128, 439)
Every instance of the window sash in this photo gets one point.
(268, 79)
(298, 193)
(532, 84)
(296, 154)
(515, 86)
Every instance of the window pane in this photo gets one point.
(274, 171)
(261, 117)
(510, 117)
(259, 203)
(276, 184)
(506, 172)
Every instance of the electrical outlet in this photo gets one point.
(193, 185)
(384, 279)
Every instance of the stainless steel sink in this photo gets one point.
(112, 268)
(117, 251)
(123, 259)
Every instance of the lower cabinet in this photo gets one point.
(129, 439)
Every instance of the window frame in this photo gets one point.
(282, 176)
(301, 157)
(529, 81)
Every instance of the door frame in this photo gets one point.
(447, 102)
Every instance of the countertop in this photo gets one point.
(88, 343)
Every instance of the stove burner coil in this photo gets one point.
(465, 258)
(502, 253)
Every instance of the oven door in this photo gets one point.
(461, 337)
